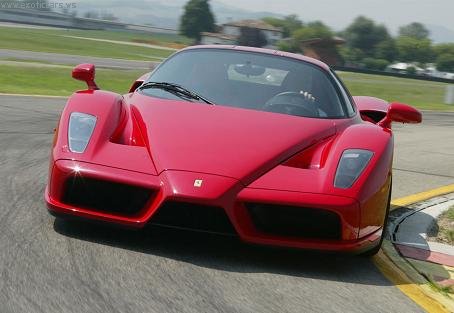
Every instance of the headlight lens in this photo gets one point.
(81, 128)
(351, 165)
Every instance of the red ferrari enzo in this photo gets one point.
(263, 144)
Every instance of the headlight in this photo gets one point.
(351, 165)
(81, 128)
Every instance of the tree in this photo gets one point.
(375, 64)
(444, 48)
(252, 37)
(289, 44)
(313, 30)
(414, 50)
(365, 35)
(289, 24)
(414, 30)
(351, 56)
(197, 18)
(445, 63)
(386, 50)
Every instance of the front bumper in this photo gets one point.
(209, 191)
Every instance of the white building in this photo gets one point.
(232, 30)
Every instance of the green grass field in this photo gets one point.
(421, 94)
(33, 78)
(57, 81)
(52, 41)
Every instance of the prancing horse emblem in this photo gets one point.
(198, 183)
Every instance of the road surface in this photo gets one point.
(68, 59)
(52, 266)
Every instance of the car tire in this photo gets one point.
(373, 251)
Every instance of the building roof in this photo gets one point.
(314, 41)
(218, 35)
(259, 24)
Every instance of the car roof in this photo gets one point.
(264, 51)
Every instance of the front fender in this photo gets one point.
(370, 190)
(107, 108)
(110, 110)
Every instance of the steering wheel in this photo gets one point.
(293, 103)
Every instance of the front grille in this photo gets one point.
(292, 221)
(106, 196)
(193, 216)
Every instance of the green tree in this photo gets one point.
(197, 18)
(414, 30)
(386, 50)
(444, 48)
(289, 44)
(445, 63)
(375, 64)
(289, 24)
(351, 56)
(365, 35)
(414, 50)
(313, 30)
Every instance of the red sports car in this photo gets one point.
(263, 144)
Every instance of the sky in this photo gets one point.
(437, 15)
(339, 13)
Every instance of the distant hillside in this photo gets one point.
(162, 13)
(440, 34)
(165, 13)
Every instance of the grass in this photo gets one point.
(446, 226)
(57, 81)
(445, 290)
(52, 41)
(421, 94)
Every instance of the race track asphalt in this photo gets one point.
(60, 58)
(49, 265)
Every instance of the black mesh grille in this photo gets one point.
(193, 216)
(105, 196)
(294, 221)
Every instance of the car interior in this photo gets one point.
(250, 81)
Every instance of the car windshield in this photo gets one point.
(251, 80)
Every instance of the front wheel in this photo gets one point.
(374, 250)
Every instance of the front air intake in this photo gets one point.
(105, 196)
(292, 221)
(193, 216)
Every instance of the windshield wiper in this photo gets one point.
(175, 89)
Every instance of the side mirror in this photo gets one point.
(86, 73)
(402, 113)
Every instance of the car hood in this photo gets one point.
(233, 142)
